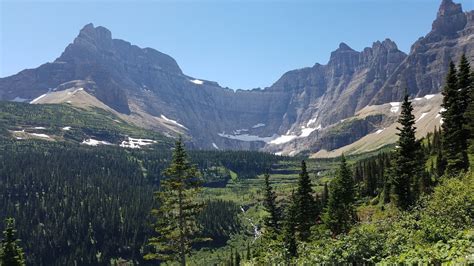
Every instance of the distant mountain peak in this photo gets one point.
(344, 47)
(97, 36)
(450, 18)
(448, 7)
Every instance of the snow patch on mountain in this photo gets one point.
(421, 117)
(311, 121)
(247, 137)
(41, 96)
(429, 96)
(306, 132)
(197, 81)
(136, 143)
(395, 107)
(40, 135)
(94, 142)
(283, 139)
(173, 122)
(258, 125)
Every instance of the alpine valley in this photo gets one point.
(111, 155)
(296, 115)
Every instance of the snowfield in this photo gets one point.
(38, 98)
(40, 135)
(247, 137)
(173, 122)
(421, 117)
(197, 81)
(258, 125)
(136, 143)
(395, 107)
(94, 142)
(283, 139)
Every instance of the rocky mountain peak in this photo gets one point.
(99, 37)
(450, 18)
(342, 51)
(448, 7)
(389, 45)
(344, 47)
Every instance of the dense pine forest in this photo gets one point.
(64, 203)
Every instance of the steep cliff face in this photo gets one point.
(297, 113)
(424, 70)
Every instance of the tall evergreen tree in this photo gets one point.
(290, 229)
(469, 116)
(249, 252)
(178, 207)
(325, 196)
(408, 164)
(340, 212)
(237, 258)
(306, 206)
(464, 83)
(12, 254)
(454, 139)
(272, 221)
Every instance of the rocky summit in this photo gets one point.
(296, 114)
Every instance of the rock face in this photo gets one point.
(296, 113)
(424, 70)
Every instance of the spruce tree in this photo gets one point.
(469, 116)
(12, 254)
(290, 229)
(454, 139)
(179, 205)
(249, 252)
(306, 207)
(272, 221)
(408, 164)
(325, 196)
(464, 83)
(340, 212)
(237, 258)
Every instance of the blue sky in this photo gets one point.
(240, 44)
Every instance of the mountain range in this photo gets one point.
(318, 110)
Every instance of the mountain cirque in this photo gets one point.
(294, 115)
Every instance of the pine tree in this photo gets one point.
(340, 212)
(290, 229)
(178, 207)
(306, 207)
(272, 221)
(454, 139)
(325, 196)
(408, 164)
(237, 258)
(12, 254)
(469, 116)
(387, 189)
(464, 83)
(249, 252)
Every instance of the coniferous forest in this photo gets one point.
(69, 204)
